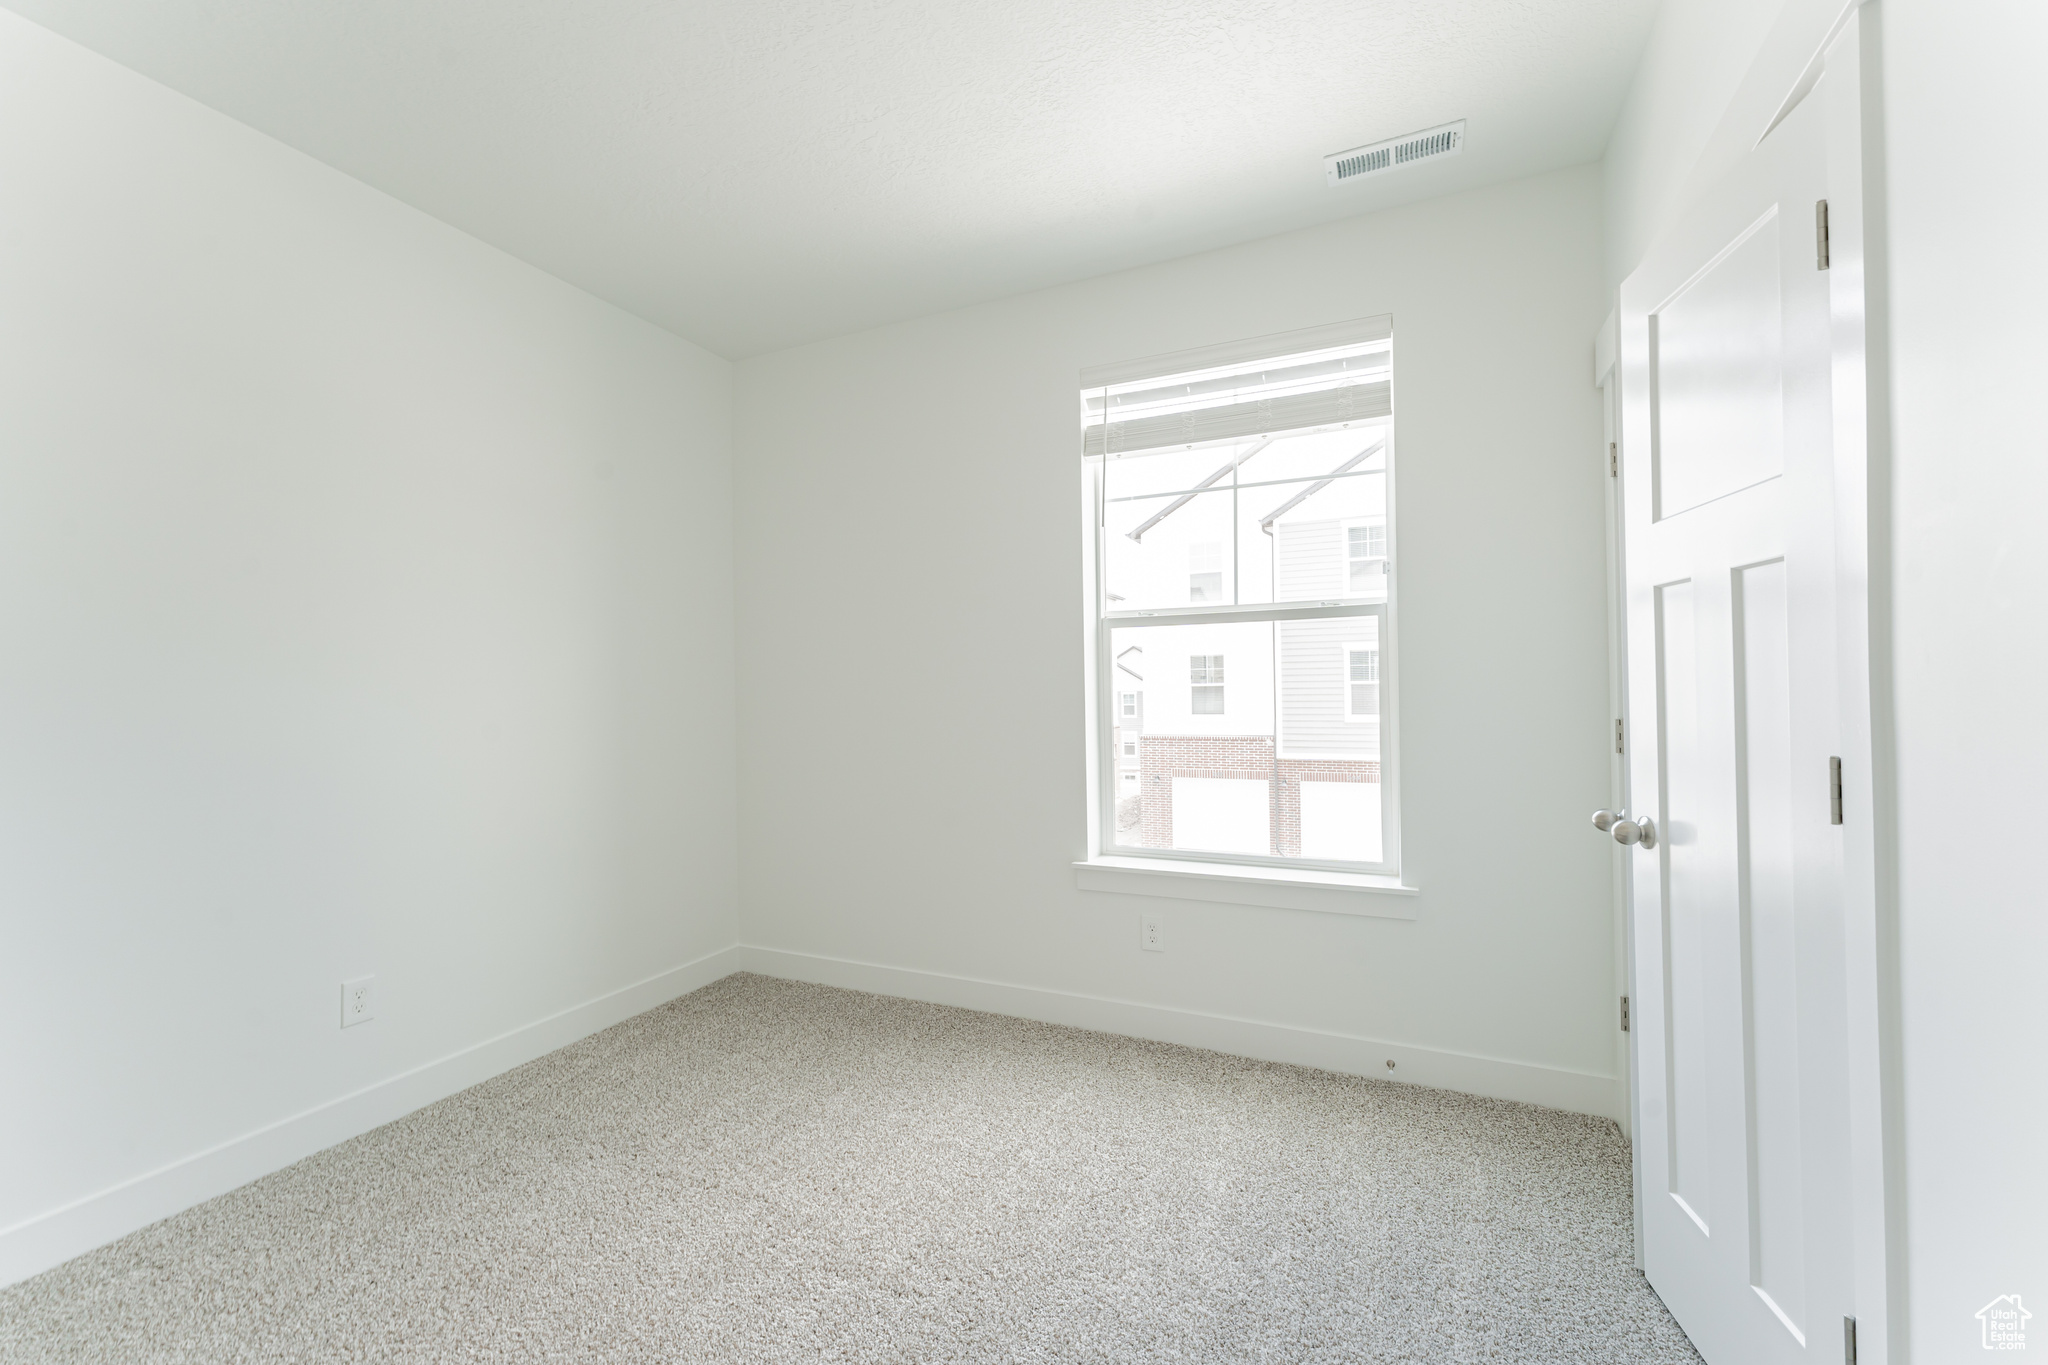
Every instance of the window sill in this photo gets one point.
(1283, 888)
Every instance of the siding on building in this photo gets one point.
(1313, 681)
(1309, 560)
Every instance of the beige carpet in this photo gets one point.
(766, 1171)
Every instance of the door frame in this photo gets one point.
(1606, 350)
(1849, 57)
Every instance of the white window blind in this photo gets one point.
(1322, 377)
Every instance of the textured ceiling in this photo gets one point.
(757, 173)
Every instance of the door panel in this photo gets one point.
(1715, 364)
(1764, 797)
(1689, 1102)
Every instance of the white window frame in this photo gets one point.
(1245, 878)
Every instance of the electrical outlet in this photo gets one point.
(358, 1001)
(1152, 933)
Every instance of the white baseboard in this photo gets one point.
(1580, 1092)
(48, 1239)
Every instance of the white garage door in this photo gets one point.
(1221, 815)
(1341, 820)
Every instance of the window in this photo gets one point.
(1205, 672)
(1362, 682)
(1366, 556)
(1241, 512)
(1205, 572)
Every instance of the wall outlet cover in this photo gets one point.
(1152, 932)
(358, 1001)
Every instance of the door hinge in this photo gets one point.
(1820, 234)
(1834, 791)
(1848, 1341)
(1624, 1014)
(1617, 736)
(1613, 461)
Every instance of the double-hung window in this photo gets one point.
(1362, 682)
(1240, 553)
(1205, 677)
(1365, 555)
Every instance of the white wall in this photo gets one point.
(1968, 287)
(1691, 67)
(364, 608)
(1714, 75)
(913, 787)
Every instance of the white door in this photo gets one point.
(1739, 956)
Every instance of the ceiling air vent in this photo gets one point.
(1395, 153)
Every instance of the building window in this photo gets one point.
(1205, 672)
(1205, 572)
(1362, 682)
(1240, 509)
(1366, 558)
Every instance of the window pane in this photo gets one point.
(1204, 746)
(1281, 520)
(1215, 773)
(1329, 753)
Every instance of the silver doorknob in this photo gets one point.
(1603, 820)
(1635, 832)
